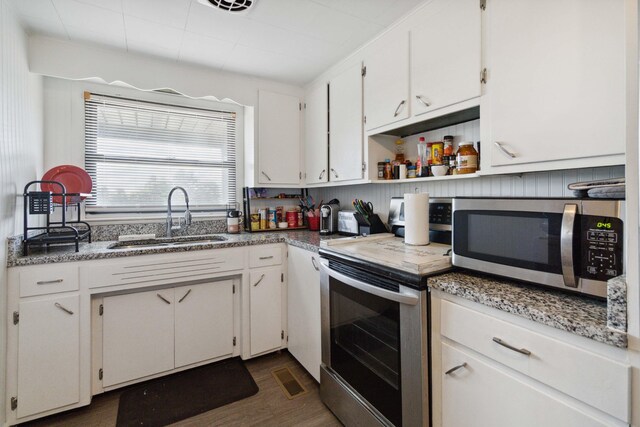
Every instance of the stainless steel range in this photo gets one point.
(375, 329)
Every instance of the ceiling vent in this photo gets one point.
(232, 6)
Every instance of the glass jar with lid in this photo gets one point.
(466, 158)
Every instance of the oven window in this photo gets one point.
(528, 240)
(365, 352)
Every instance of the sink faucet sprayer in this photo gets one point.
(187, 214)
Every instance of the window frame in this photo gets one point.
(99, 215)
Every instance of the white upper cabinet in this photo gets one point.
(278, 148)
(445, 54)
(345, 126)
(316, 150)
(555, 84)
(386, 80)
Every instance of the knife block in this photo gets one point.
(371, 224)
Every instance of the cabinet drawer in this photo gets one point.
(591, 378)
(48, 279)
(264, 255)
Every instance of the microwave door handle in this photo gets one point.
(566, 245)
(401, 298)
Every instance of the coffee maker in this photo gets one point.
(329, 217)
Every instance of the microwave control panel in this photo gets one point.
(440, 213)
(601, 247)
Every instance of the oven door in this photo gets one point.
(374, 347)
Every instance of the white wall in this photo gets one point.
(20, 148)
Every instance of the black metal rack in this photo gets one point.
(42, 203)
(247, 197)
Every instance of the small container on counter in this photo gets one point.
(273, 219)
(255, 221)
(264, 218)
(466, 158)
(292, 218)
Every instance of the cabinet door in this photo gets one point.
(303, 302)
(556, 80)
(203, 322)
(316, 130)
(278, 138)
(48, 354)
(445, 55)
(481, 394)
(265, 301)
(137, 335)
(345, 125)
(386, 82)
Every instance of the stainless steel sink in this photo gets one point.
(164, 242)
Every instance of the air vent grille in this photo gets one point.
(230, 5)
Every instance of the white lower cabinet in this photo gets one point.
(303, 305)
(48, 354)
(482, 394)
(138, 336)
(265, 295)
(494, 369)
(146, 333)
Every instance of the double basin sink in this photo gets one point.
(166, 242)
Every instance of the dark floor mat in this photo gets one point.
(178, 396)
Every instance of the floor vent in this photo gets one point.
(290, 385)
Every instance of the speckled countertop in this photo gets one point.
(576, 314)
(308, 240)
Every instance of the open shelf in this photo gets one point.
(424, 179)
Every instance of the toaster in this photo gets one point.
(439, 218)
(347, 223)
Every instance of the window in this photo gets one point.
(136, 151)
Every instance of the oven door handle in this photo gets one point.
(399, 297)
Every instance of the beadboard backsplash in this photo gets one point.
(535, 184)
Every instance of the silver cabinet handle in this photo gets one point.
(455, 368)
(322, 174)
(259, 280)
(334, 172)
(163, 299)
(49, 282)
(395, 114)
(313, 261)
(510, 347)
(566, 245)
(422, 101)
(504, 150)
(266, 257)
(262, 172)
(184, 296)
(63, 308)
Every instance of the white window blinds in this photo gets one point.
(136, 151)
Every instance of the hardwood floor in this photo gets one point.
(269, 407)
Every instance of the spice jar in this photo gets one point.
(466, 158)
(437, 149)
(381, 170)
(411, 171)
(448, 145)
(388, 169)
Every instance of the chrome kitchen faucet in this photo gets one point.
(187, 214)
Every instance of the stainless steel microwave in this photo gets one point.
(573, 244)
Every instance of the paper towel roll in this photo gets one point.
(416, 219)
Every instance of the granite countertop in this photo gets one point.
(580, 315)
(308, 240)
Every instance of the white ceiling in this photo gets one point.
(287, 40)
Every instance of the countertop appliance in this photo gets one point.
(375, 329)
(347, 223)
(329, 218)
(572, 244)
(440, 210)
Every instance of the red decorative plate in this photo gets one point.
(75, 180)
